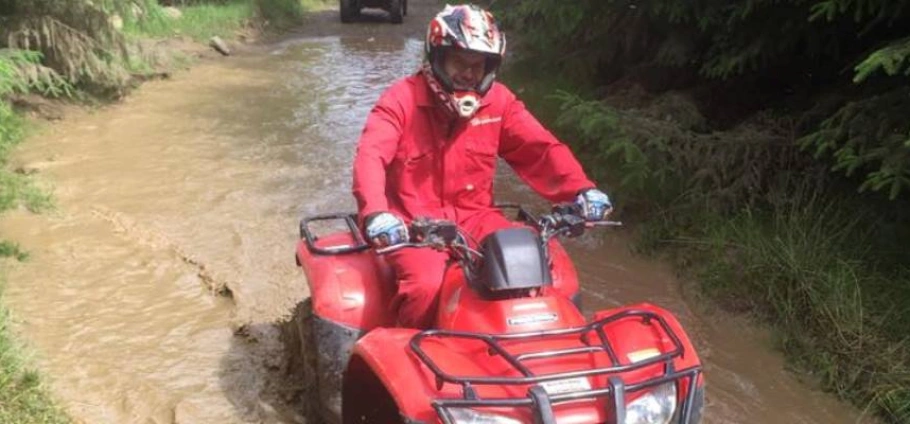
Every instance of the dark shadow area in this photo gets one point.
(370, 15)
(259, 376)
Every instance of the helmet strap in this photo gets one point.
(443, 97)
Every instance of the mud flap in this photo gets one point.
(694, 411)
(576, 299)
(543, 409)
(698, 404)
(333, 345)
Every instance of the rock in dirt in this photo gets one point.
(218, 44)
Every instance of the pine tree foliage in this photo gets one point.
(870, 135)
(655, 158)
(893, 59)
(801, 45)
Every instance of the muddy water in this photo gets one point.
(153, 290)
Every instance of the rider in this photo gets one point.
(429, 149)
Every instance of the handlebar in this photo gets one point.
(426, 232)
(442, 234)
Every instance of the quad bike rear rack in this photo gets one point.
(538, 399)
(350, 220)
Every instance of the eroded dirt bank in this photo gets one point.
(192, 188)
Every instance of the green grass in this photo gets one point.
(284, 13)
(12, 250)
(199, 22)
(23, 399)
(203, 21)
(16, 189)
(812, 271)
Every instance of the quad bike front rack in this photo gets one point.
(538, 399)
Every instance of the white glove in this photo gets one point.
(385, 229)
(594, 205)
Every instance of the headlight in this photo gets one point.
(470, 416)
(655, 407)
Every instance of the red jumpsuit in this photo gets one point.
(414, 160)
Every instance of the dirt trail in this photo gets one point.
(192, 188)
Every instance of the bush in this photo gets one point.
(279, 12)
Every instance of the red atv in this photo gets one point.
(509, 345)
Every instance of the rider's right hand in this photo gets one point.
(385, 229)
(594, 204)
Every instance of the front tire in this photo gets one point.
(349, 10)
(396, 10)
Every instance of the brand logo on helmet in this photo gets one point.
(478, 26)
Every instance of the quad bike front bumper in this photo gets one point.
(623, 400)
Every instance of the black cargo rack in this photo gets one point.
(349, 219)
(538, 399)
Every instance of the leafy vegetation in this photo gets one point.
(766, 144)
(22, 396)
(20, 72)
(748, 55)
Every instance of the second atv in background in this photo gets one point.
(350, 9)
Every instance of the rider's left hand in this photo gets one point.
(594, 204)
(386, 229)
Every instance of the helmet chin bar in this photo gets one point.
(467, 103)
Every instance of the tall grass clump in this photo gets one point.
(199, 21)
(23, 399)
(280, 13)
(810, 269)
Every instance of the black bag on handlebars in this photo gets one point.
(513, 262)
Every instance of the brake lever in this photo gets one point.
(394, 247)
(604, 224)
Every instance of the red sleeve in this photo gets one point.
(375, 150)
(542, 161)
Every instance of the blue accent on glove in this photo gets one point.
(594, 204)
(385, 229)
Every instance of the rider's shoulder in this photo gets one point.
(499, 92)
(404, 90)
